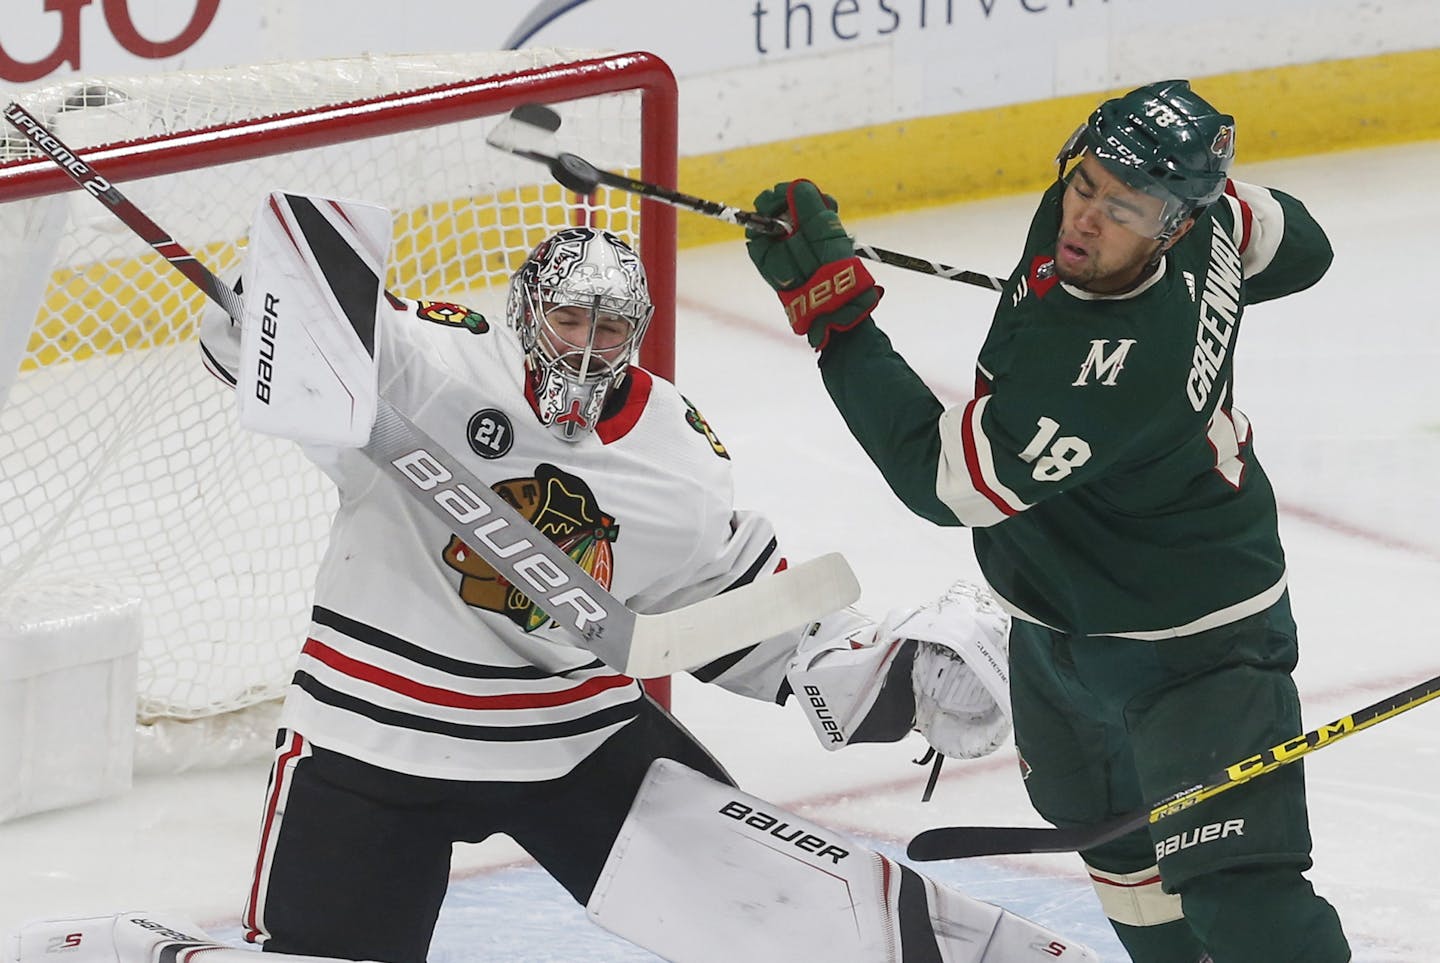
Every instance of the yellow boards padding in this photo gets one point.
(1279, 112)
(107, 307)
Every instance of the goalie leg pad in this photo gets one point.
(128, 938)
(704, 873)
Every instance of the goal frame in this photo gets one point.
(639, 72)
(162, 154)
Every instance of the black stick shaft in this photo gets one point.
(959, 842)
(769, 225)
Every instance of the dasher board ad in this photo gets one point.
(885, 59)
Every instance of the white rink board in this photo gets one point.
(838, 64)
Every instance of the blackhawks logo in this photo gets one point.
(563, 509)
(454, 315)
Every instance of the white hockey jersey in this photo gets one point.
(420, 659)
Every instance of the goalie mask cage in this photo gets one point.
(122, 469)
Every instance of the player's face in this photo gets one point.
(1107, 230)
(568, 329)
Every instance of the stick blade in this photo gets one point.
(536, 115)
(963, 842)
(692, 636)
(528, 128)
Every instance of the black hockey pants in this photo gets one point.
(357, 864)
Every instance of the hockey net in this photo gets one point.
(120, 462)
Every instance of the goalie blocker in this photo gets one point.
(704, 873)
(939, 668)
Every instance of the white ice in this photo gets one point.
(1339, 384)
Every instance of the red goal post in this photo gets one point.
(121, 467)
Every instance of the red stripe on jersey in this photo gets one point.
(618, 425)
(972, 462)
(1247, 216)
(434, 695)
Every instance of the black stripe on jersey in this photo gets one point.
(404, 720)
(395, 645)
(355, 286)
(754, 568)
(917, 933)
(711, 671)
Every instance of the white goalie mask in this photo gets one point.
(580, 304)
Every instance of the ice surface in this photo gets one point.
(1340, 385)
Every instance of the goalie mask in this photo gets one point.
(580, 304)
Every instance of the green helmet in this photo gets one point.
(1163, 139)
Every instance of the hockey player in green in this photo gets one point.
(1118, 509)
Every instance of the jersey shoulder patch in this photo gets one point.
(1039, 279)
(697, 421)
(452, 315)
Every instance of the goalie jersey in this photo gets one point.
(1103, 464)
(420, 658)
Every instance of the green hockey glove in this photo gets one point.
(825, 288)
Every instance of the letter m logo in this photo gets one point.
(1104, 364)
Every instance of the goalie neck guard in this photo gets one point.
(581, 305)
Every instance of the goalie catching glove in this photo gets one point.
(941, 669)
(825, 288)
(961, 673)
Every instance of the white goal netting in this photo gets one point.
(120, 461)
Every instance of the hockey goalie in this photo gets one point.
(434, 702)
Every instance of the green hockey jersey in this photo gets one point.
(1102, 463)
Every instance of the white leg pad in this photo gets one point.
(128, 938)
(703, 873)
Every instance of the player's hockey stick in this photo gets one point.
(959, 842)
(639, 645)
(527, 128)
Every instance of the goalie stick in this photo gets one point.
(638, 645)
(528, 126)
(960, 842)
